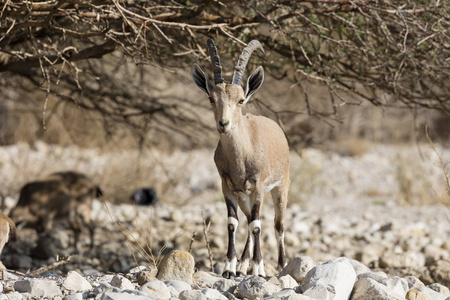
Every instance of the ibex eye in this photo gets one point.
(211, 100)
(241, 101)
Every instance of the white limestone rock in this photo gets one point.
(75, 282)
(298, 267)
(156, 289)
(369, 289)
(38, 287)
(337, 275)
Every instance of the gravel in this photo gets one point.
(374, 215)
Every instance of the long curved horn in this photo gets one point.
(243, 59)
(215, 61)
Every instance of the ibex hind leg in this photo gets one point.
(279, 196)
(246, 255)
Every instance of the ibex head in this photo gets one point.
(227, 99)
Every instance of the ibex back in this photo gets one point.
(252, 158)
(61, 196)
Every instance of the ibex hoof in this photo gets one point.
(228, 274)
(239, 274)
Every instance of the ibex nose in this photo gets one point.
(223, 123)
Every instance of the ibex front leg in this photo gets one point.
(233, 223)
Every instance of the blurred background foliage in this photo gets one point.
(115, 73)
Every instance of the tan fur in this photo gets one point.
(7, 233)
(252, 155)
(252, 158)
(60, 196)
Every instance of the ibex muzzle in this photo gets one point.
(252, 158)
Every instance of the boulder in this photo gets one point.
(337, 275)
(298, 267)
(176, 265)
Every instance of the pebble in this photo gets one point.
(122, 283)
(254, 287)
(335, 279)
(76, 282)
(156, 289)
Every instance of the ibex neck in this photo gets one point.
(237, 140)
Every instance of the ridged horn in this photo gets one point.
(215, 61)
(243, 59)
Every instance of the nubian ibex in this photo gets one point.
(60, 196)
(252, 158)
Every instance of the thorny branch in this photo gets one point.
(400, 48)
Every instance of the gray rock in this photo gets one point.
(285, 293)
(12, 296)
(177, 265)
(369, 289)
(121, 296)
(254, 287)
(413, 281)
(319, 291)
(224, 285)
(178, 286)
(76, 283)
(192, 295)
(359, 267)
(9, 276)
(205, 279)
(440, 289)
(375, 276)
(337, 275)
(119, 265)
(122, 283)
(105, 287)
(370, 253)
(298, 267)
(156, 289)
(432, 294)
(91, 272)
(298, 297)
(145, 276)
(212, 294)
(441, 272)
(408, 259)
(287, 281)
(397, 285)
(38, 287)
(74, 296)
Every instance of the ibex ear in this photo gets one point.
(200, 79)
(254, 82)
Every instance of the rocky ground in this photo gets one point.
(368, 226)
